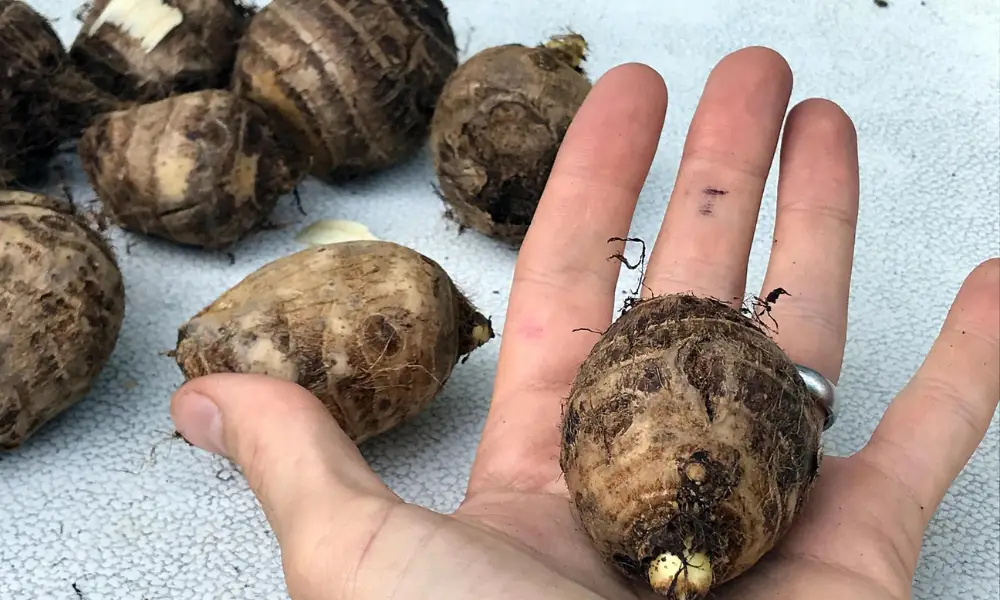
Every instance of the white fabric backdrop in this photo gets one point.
(85, 504)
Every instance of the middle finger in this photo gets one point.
(704, 243)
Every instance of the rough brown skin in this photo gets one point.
(200, 169)
(688, 423)
(62, 302)
(43, 99)
(372, 328)
(497, 128)
(198, 54)
(361, 95)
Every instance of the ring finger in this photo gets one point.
(704, 244)
(813, 246)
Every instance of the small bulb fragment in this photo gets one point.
(686, 578)
(332, 231)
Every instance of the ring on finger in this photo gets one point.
(823, 391)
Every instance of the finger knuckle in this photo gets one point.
(821, 209)
(809, 327)
(946, 394)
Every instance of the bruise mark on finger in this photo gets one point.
(530, 331)
(707, 206)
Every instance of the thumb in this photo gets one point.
(303, 468)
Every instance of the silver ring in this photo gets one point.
(822, 390)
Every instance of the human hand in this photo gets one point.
(345, 536)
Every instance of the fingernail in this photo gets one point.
(200, 422)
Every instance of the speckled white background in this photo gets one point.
(102, 500)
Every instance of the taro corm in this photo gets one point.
(356, 80)
(62, 301)
(372, 328)
(690, 444)
(200, 169)
(497, 127)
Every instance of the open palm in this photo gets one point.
(344, 535)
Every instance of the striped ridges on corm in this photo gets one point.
(357, 81)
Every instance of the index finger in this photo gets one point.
(564, 281)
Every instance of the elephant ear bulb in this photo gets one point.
(498, 125)
(372, 328)
(690, 444)
(62, 303)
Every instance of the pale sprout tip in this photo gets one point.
(332, 231)
(481, 334)
(687, 578)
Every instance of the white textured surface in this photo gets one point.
(84, 503)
